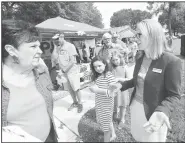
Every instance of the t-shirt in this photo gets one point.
(119, 71)
(27, 107)
(64, 56)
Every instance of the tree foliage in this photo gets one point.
(82, 12)
(173, 14)
(36, 12)
(177, 18)
(128, 17)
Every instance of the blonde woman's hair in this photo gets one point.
(153, 32)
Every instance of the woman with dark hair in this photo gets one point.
(26, 86)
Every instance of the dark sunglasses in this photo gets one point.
(107, 39)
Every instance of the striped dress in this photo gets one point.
(104, 104)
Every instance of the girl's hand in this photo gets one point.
(114, 86)
(93, 88)
(120, 79)
(156, 121)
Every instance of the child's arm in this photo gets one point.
(107, 92)
(121, 79)
(95, 89)
(113, 84)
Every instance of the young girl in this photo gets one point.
(104, 100)
(121, 99)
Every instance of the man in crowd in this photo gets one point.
(116, 40)
(108, 47)
(64, 55)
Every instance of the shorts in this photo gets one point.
(73, 79)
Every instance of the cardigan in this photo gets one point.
(44, 86)
(162, 84)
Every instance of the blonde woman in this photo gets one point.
(156, 81)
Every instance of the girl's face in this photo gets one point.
(116, 60)
(99, 66)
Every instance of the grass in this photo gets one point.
(90, 131)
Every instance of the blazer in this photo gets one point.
(44, 86)
(162, 84)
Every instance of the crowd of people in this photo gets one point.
(156, 81)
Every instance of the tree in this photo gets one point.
(36, 12)
(128, 17)
(33, 12)
(173, 14)
(81, 12)
(177, 20)
(8, 9)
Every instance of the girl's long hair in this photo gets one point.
(95, 74)
(117, 54)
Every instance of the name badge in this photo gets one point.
(157, 70)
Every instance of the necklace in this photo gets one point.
(26, 73)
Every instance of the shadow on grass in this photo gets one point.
(90, 131)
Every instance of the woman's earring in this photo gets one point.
(15, 59)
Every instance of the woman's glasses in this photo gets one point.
(107, 39)
(138, 35)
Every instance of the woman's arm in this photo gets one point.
(127, 84)
(172, 79)
(107, 92)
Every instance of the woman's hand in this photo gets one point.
(156, 121)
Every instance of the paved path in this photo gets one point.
(70, 119)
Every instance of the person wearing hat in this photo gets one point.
(108, 47)
(116, 40)
(64, 55)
